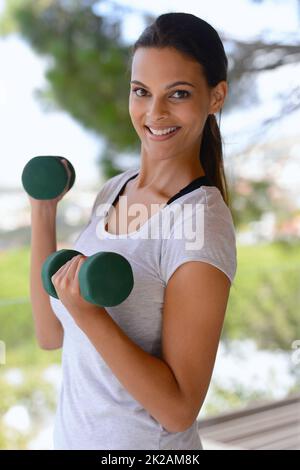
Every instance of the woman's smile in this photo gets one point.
(163, 137)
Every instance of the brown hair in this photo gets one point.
(198, 39)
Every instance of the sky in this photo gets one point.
(26, 130)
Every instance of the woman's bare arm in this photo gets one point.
(48, 329)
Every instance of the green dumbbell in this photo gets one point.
(45, 177)
(105, 278)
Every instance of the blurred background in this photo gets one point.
(64, 90)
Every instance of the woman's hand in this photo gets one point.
(51, 203)
(67, 287)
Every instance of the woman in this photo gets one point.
(135, 375)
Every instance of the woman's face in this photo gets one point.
(154, 103)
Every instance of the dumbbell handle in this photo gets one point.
(105, 278)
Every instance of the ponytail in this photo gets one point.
(211, 156)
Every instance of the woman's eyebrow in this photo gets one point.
(137, 82)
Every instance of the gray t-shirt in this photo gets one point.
(95, 411)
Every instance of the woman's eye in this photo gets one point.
(135, 90)
(182, 91)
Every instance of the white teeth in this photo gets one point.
(165, 131)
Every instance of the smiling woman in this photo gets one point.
(135, 375)
(183, 109)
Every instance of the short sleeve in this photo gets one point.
(206, 234)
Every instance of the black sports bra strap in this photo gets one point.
(196, 183)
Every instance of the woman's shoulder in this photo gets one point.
(201, 229)
(216, 207)
(208, 198)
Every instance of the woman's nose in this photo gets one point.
(157, 108)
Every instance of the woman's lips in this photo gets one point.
(161, 137)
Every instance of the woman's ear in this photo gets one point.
(218, 96)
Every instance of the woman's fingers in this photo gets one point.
(63, 270)
(81, 261)
(72, 270)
